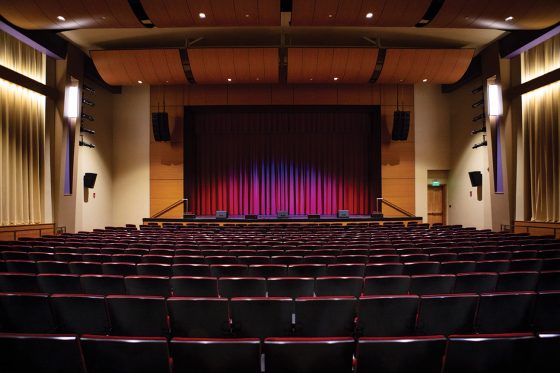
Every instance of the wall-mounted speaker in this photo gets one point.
(343, 214)
(401, 125)
(89, 179)
(160, 126)
(476, 178)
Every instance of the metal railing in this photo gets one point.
(183, 201)
(381, 201)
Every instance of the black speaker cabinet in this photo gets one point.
(89, 179)
(189, 216)
(313, 216)
(160, 125)
(476, 178)
(401, 125)
(221, 214)
(282, 214)
(251, 217)
(343, 214)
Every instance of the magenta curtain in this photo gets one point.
(305, 162)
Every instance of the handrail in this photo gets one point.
(185, 201)
(391, 204)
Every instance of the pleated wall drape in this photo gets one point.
(22, 136)
(312, 162)
(541, 129)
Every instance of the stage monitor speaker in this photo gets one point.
(343, 214)
(282, 214)
(313, 216)
(376, 215)
(160, 125)
(89, 179)
(221, 214)
(251, 217)
(401, 125)
(476, 178)
(189, 216)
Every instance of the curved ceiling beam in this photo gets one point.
(149, 66)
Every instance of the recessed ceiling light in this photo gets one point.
(229, 79)
(61, 18)
(508, 19)
(247, 15)
(310, 78)
(369, 15)
(139, 82)
(330, 15)
(201, 15)
(258, 78)
(335, 78)
(425, 80)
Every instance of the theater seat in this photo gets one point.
(147, 285)
(432, 284)
(58, 283)
(186, 286)
(545, 352)
(26, 313)
(387, 315)
(446, 314)
(230, 287)
(505, 312)
(137, 315)
(290, 286)
(261, 317)
(395, 355)
(386, 285)
(80, 314)
(489, 353)
(18, 282)
(547, 311)
(102, 284)
(305, 355)
(45, 353)
(216, 355)
(333, 286)
(199, 317)
(325, 316)
(476, 282)
(105, 354)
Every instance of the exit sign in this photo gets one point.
(436, 183)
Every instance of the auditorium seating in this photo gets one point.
(213, 296)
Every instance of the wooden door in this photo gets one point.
(436, 205)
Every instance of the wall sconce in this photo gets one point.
(494, 99)
(72, 101)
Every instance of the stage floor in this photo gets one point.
(275, 219)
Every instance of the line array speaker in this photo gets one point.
(401, 125)
(160, 125)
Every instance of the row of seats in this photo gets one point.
(512, 353)
(309, 266)
(286, 286)
(270, 256)
(262, 317)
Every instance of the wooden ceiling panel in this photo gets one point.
(241, 65)
(535, 14)
(151, 66)
(42, 14)
(185, 13)
(395, 13)
(322, 65)
(438, 66)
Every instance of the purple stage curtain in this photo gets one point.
(310, 162)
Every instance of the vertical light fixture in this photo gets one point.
(494, 98)
(73, 103)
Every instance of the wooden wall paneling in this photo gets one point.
(207, 95)
(156, 205)
(13, 232)
(166, 188)
(397, 159)
(282, 95)
(376, 94)
(355, 95)
(399, 191)
(315, 95)
(166, 160)
(249, 95)
(42, 14)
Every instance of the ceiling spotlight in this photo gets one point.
(425, 80)
(88, 88)
(61, 18)
(481, 129)
(83, 143)
(87, 102)
(369, 15)
(87, 130)
(478, 103)
(140, 82)
(478, 145)
(88, 117)
(335, 78)
(478, 117)
(509, 19)
(201, 15)
(229, 79)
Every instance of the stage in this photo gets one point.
(272, 219)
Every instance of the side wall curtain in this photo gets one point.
(541, 129)
(262, 162)
(22, 136)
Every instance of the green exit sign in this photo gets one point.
(436, 183)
